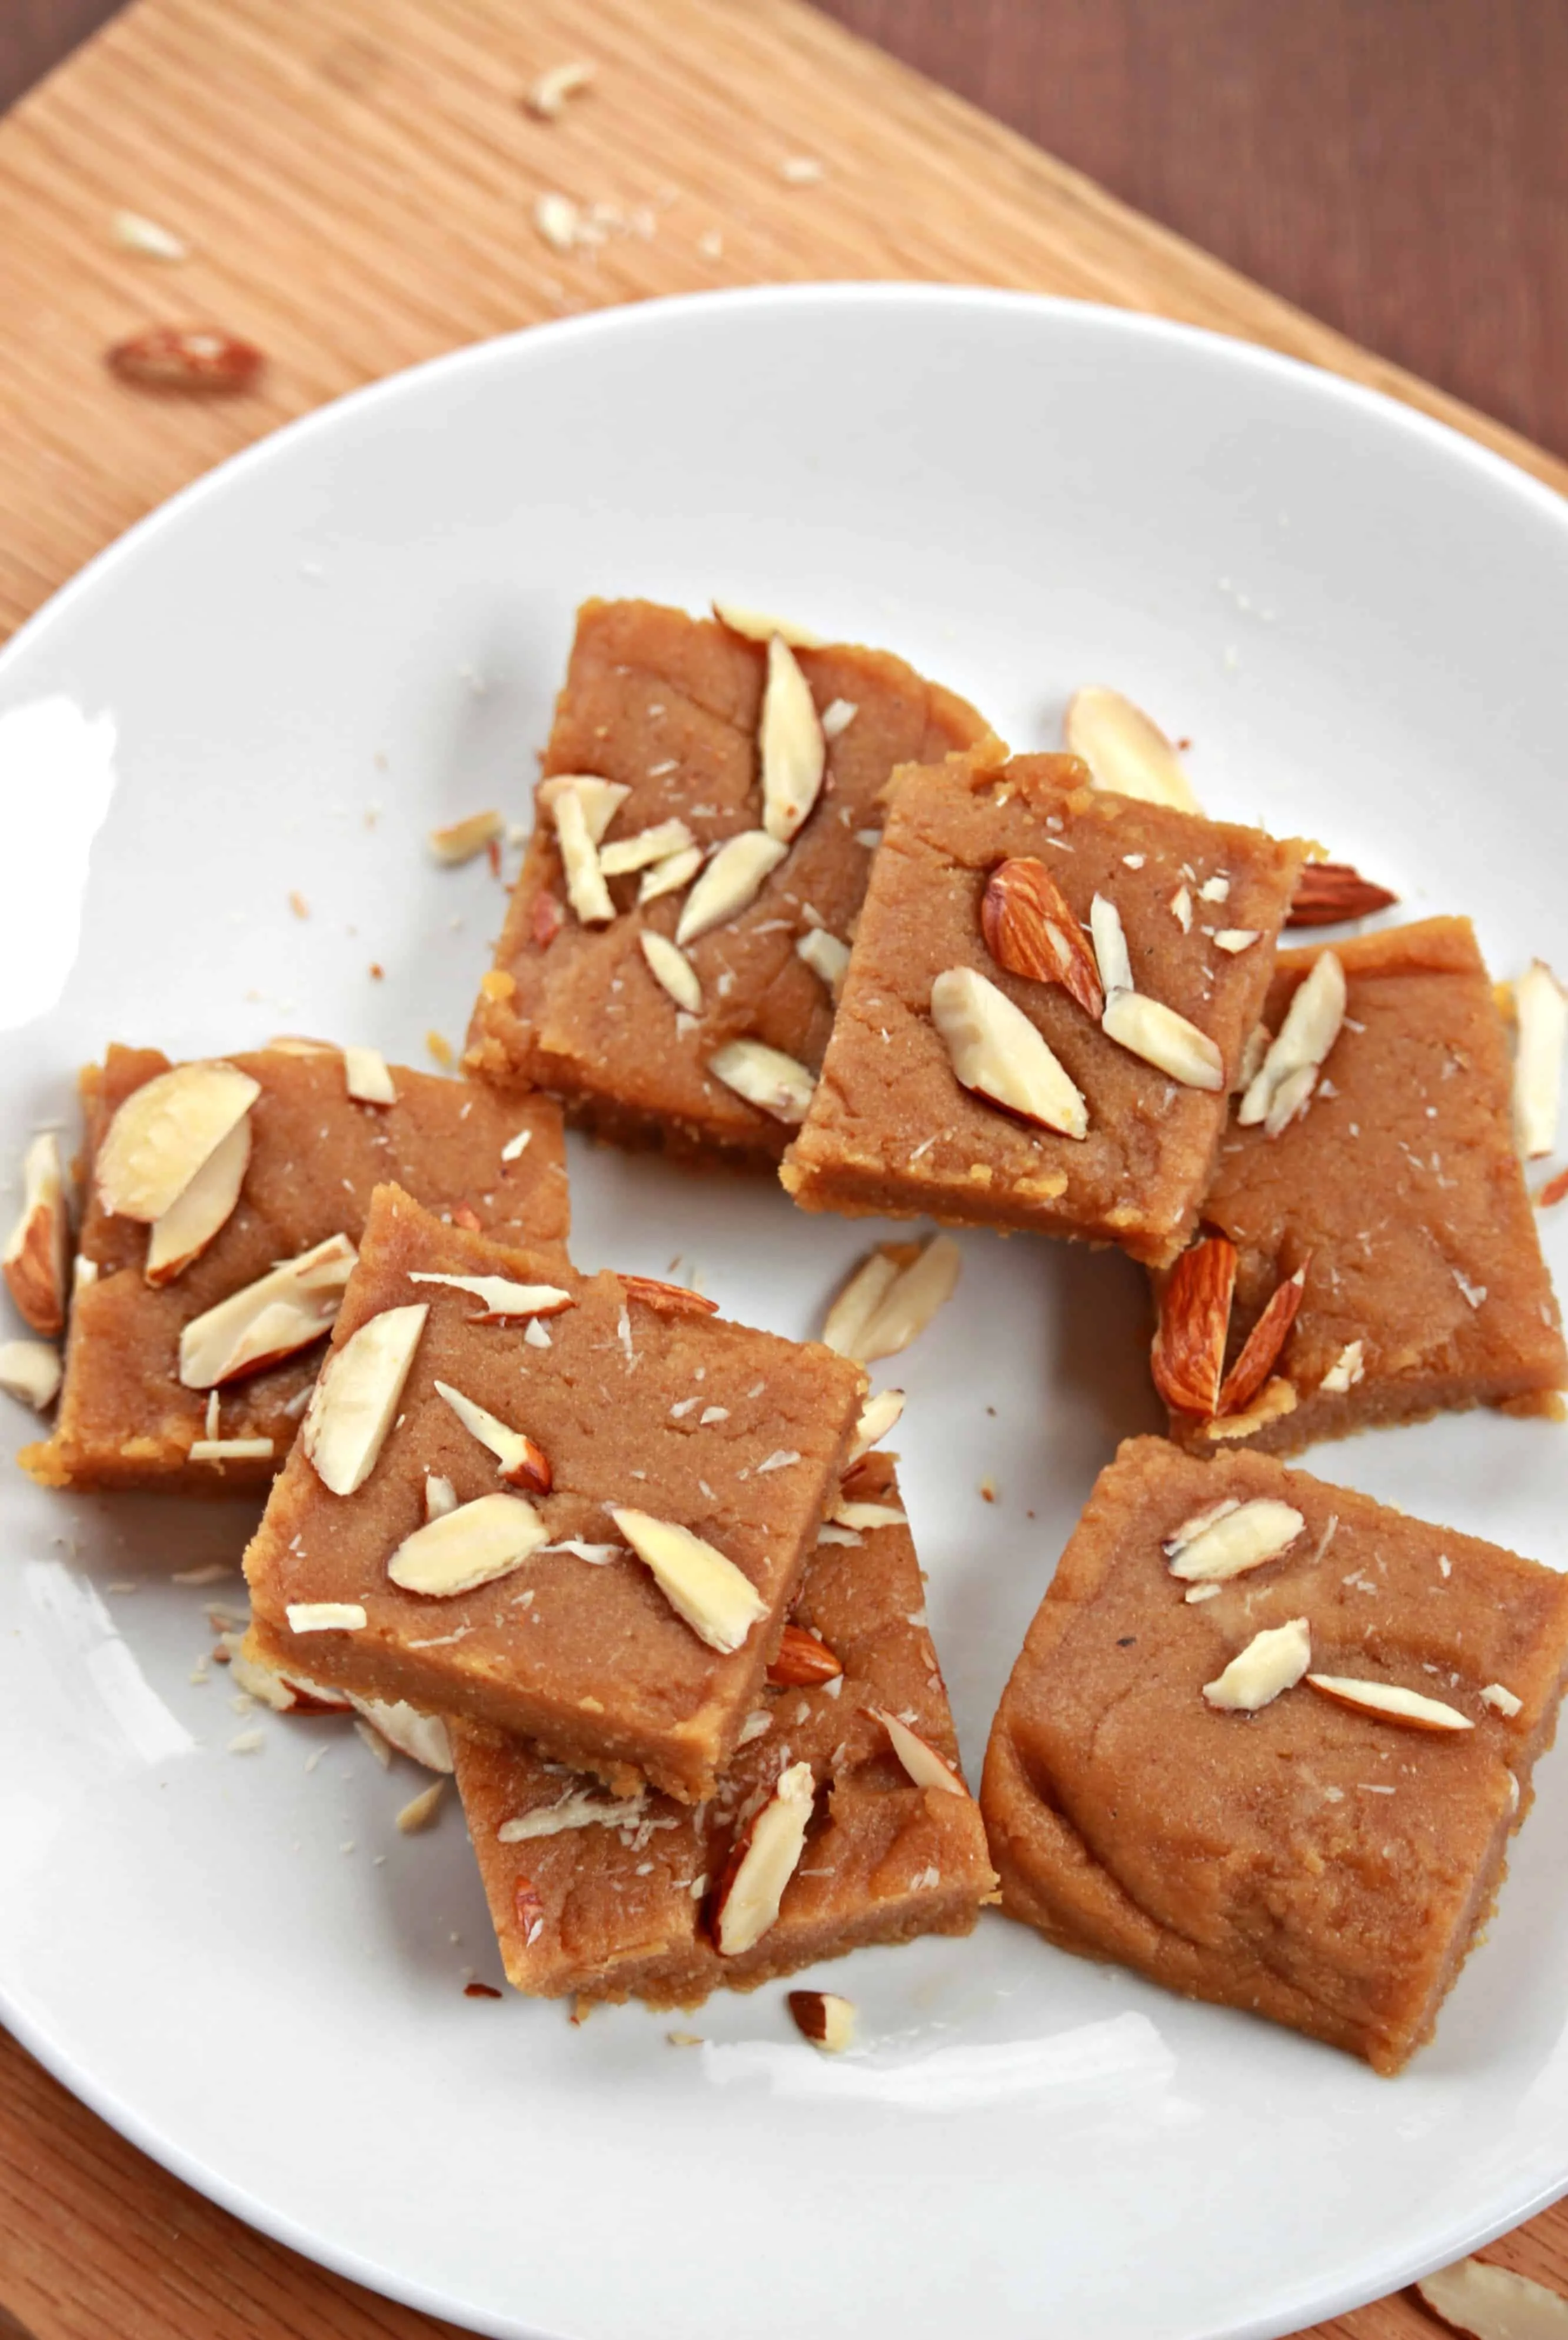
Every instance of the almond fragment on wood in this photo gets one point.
(1331, 893)
(763, 1862)
(367, 1077)
(660, 843)
(921, 1761)
(282, 1312)
(758, 626)
(1286, 1079)
(715, 1599)
(200, 1210)
(37, 1257)
(357, 1395)
(546, 96)
(164, 1131)
(585, 888)
(194, 358)
(730, 883)
(133, 232)
(1541, 1008)
(474, 1545)
(671, 970)
(521, 1462)
(1125, 751)
(1148, 1028)
(463, 841)
(791, 748)
(1224, 1543)
(765, 1077)
(997, 1054)
(1490, 2303)
(1187, 1358)
(1273, 1661)
(1029, 929)
(802, 1661)
(1390, 1702)
(30, 1371)
(1261, 1350)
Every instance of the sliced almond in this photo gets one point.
(1110, 941)
(1149, 1029)
(1542, 1010)
(668, 877)
(1261, 1350)
(1125, 749)
(671, 970)
(1348, 1369)
(1274, 1401)
(439, 1496)
(1029, 929)
(468, 1547)
(826, 956)
(922, 1762)
(1271, 1663)
(522, 1462)
(667, 1299)
(202, 1210)
(858, 1302)
(838, 716)
(997, 1053)
(367, 1078)
(37, 1256)
(660, 843)
(715, 1598)
(1328, 893)
(824, 2018)
(1228, 1544)
(230, 1450)
(325, 1617)
(880, 1315)
(147, 238)
(802, 1661)
(758, 626)
(163, 1134)
(763, 1863)
(866, 1516)
(730, 883)
(504, 1301)
(282, 1312)
(31, 1371)
(1390, 1702)
(790, 745)
(1502, 1700)
(1234, 940)
(357, 1394)
(1188, 1358)
(419, 1811)
(461, 840)
(585, 887)
(1309, 1031)
(765, 1078)
(1489, 2303)
(578, 1808)
(291, 1693)
(1253, 1053)
(600, 799)
(546, 96)
(876, 1419)
(422, 1737)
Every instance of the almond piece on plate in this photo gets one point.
(202, 1210)
(522, 1462)
(1110, 941)
(1273, 1661)
(1390, 1702)
(1329, 893)
(776, 1084)
(163, 1134)
(1149, 1029)
(660, 843)
(600, 799)
(1030, 931)
(471, 1546)
(762, 1863)
(891, 1299)
(669, 876)
(1489, 2303)
(1542, 1010)
(504, 1301)
(1231, 1539)
(857, 1301)
(367, 1078)
(1125, 751)
(922, 1763)
(758, 626)
(461, 840)
(585, 888)
(1285, 1081)
(792, 749)
(422, 1737)
(37, 1256)
(714, 1597)
(419, 1811)
(877, 1417)
(356, 1395)
(826, 956)
(825, 2018)
(1187, 1358)
(282, 1693)
(282, 1312)
(667, 1299)
(671, 970)
(997, 1053)
(802, 1661)
(31, 1371)
(730, 883)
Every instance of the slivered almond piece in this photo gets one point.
(756, 626)
(660, 843)
(420, 1810)
(1390, 1702)
(826, 956)
(671, 970)
(860, 1516)
(1330, 892)
(37, 1256)
(765, 1078)
(802, 1661)
(503, 1300)
(1260, 1351)
(578, 1808)
(1272, 1661)
(422, 1737)
(1125, 750)
(439, 1496)
(356, 1395)
(1490, 2303)
(600, 799)
(1309, 1031)
(585, 887)
(461, 840)
(859, 1300)
(1029, 929)
(367, 1078)
(1502, 1700)
(825, 2018)
(714, 1597)
(546, 96)
(1216, 1547)
(997, 1053)
(325, 1617)
(230, 1450)
(1187, 1358)
(1149, 1029)
(1255, 1050)
(293, 1304)
(667, 1299)
(1274, 1399)
(922, 1763)
(838, 716)
(905, 1306)
(283, 1693)
(471, 1546)
(31, 1371)
(730, 883)
(163, 1134)
(1348, 1369)
(202, 1210)
(522, 1462)
(1110, 941)
(668, 877)
(147, 238)
(764, 1861)
(1235, 939)
(876, 1419)
(1542, 1009)
(793, 752)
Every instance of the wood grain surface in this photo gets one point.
(356, 180)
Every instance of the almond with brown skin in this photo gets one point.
(1328, 892)
(1030, 928)
(546, 919)
(37, 1253)
(1260, 1351)
(1188, 1358)
(667, 1299)
(802, 1661)
(199, 358)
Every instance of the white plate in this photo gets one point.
(1357, 619)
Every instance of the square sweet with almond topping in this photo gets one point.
(1049, 994)
(1267, 1740)
(702, 839)
(1369, 1251)
(574, 1507)
(224, 1200)
(842, 1819)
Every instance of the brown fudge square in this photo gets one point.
(892, 1130)
(667, 707)
(1399, 1192)
(125, 1418)
(622, 1905)
(1320, 1864)
(634, 1396)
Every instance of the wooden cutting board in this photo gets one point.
(356, 181)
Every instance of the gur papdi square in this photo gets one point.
(1395, 1194)
(670, 958)
(613, 1900)
(1267, 1740)
(992, 1065)
(239, 1166)
(576, 1507)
